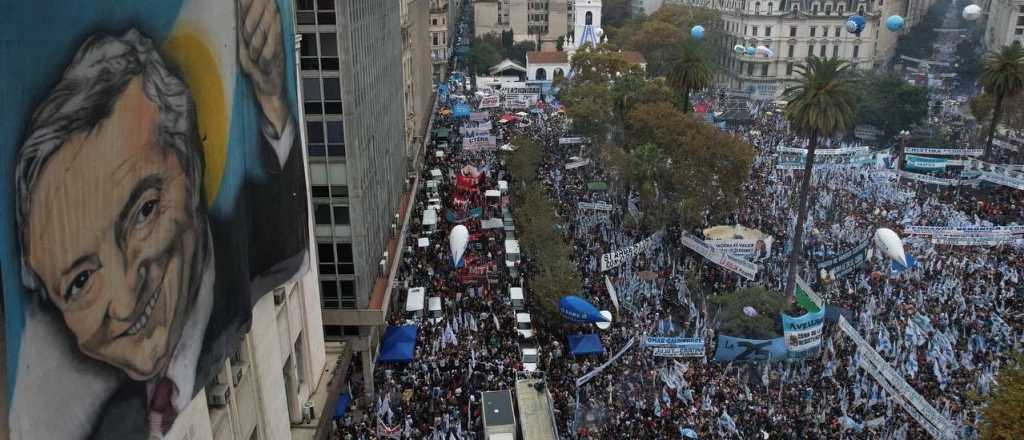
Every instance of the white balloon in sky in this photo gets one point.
(890, 245)
(458, 239)
(972, 12)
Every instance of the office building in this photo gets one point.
(540, 21)
(416, 69)
(1004, 23)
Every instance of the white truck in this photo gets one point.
(499, 415)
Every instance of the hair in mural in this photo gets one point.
(84, 97)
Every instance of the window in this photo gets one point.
(789, 69)
(856, 51)
(757, 7)
(435, 39)
(1018, 31)
(838, 30)
(311, 96)
(810, 50)
(842, 7)
(792, 31)
(308, 54)
(764, 69)
(335, 139)
(329, 294)
(796, 7)
(754, 31)
(821, 51)
(828, 9)
(813, 30)
(767, 31)
(433, 22)
(589, 19)
(332, 96)
(814, 9)
(315, 138)
(329, 51)
(770, 7)
(340, 214)
(750, 69)
(789, 53)
(1020, 9)
(322, 213)
(1020, 20)
(835, 51)
(325, 192)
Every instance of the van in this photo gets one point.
(515, 296)
(435, 204)
(432, 191)
(511, 253)
(523, 325)
(434, 314)
(414, 305)
(429, 222)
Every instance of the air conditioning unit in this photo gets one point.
(308, 412)
(218, 395)
(236, 372)
(278, 296)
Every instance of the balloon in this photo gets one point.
(894, 23)
(855, 24)
(577, 309)
(604, 325)
(750, 311)
(751, 50)
(768, 53)
(458, 239)
(697, 32)
(738, 49)
(972, 12)
(890, 245)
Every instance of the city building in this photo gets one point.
(540, 21)
(354, 97)
(417, 70)
(1004, 23)
(440, 46)
(642, 8)
(792, 31)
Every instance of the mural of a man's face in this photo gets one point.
(112, 236)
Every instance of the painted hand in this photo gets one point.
(261, 54)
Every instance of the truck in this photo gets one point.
(536, 408)
(499, 415)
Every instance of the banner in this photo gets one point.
(974, 241)
(615, 259)
(611, 292)
(946, 151)
(803, 332)
(479, 116)
(729, 262)
(730, 348)
(586, 377)
(679, 352)
(746, 249)
(998, 174)
(479, 142)
(571, 140)
(492, 101)
(965, 231)
(846, 262)
(928, 179)
(825, 151)
(597, 206)
(671, 341)
(927, 163)
(806, 297)
(577, 164)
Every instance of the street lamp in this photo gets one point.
(904, 137)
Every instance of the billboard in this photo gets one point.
(153, 177)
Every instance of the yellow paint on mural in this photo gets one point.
(190, 53)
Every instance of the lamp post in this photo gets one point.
(904, 137)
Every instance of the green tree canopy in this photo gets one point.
(1002, 76)
(485, 53)
(659, 35)
(887, 102)
(690, 71)
(1001, 418)
(766, 325)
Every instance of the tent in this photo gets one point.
(581, 345)
(342, 406)
(398, 344)
(461, 111)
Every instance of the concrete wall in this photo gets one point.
(485, 18)
(1001, 26)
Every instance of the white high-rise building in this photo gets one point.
(1005, 23)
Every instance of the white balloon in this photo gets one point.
(458, 239)
(972, 12)
(603, 325)
(890, 245)
(750, 311)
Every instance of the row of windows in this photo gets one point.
(322, 99)
(325, 138)
(335, 258)
(334, 213)
(322, 56)
(338, 294)
(314, 12)
(812, 31)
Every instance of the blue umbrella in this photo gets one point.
(577, 309)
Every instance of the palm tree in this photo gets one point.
(691, 71)
(1002, 75)
(647, 162)
(821, 105)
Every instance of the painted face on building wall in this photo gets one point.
(121, 274)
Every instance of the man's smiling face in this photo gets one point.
(112, 235)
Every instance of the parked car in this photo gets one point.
(434, 314)
(531, 357)
(523, 325)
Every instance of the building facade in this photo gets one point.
(354, 97)
(540, 21)
(417, 70)
(440, 46)
(1005, 23)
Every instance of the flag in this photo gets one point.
(726, 422)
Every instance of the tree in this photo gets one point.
(820, 105)
(601, 66)
(485, 53)
(659, 36)
(889, 103)
(1001, 418)
(1002, 75)
(691, 71)
(734, 322)
(647, 164)
(589, 105)
(1013, 110)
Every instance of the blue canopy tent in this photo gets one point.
(398, 345)
(461, 111)
(341, 408)
(582, 345)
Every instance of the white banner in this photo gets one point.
(803, 333)
(611, 292)
(479, 142)
(571, 140)
(746, 249)
(915, 405)
(614, 259)
(825, 151)
(946, 151)
(1004, 175)
(597, 206)
(975, 241)
(479, 116)
(586, 377)
(492, 101)
(678, 352)
(729, 262)
(929, 179)
(577, 164)
(975, 231)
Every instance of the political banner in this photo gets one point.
(479, 142)
(614, 259)
(945, 151)
(746, 249)
(964, 231)
(586, 377)
(803, 332)
(671, 341)
(479, 116)
(611, 292)
(492, 101)
(825, 151)
(692, 350)
(975, 241)
(731, 348)
(727, 261)
(577, 164)
(1006, 175)
(571, 140)
(597, 206)
(928, 179)
(846, 262)
(926, 163)
(806, 297)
